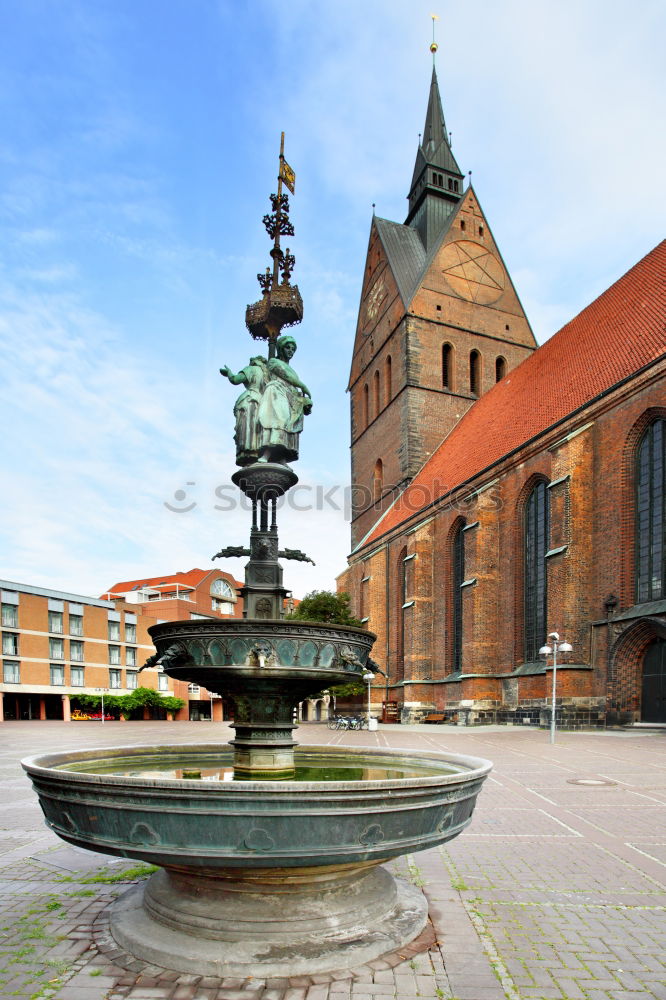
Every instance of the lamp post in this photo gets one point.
(369, 678)
(557, 646)
(102, 690)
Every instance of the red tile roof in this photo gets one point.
(166, 582)
(618, 334)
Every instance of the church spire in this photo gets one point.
(437, 182)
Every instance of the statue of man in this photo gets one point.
(253, 377)
(284, 402)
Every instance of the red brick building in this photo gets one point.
(58, 645)
(501, 491)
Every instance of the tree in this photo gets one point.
(325, 606)
(124, 704)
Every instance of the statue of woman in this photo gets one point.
(253, 377)
(284, 402)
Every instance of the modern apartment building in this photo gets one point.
(56, 645)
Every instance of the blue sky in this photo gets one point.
(138, 149)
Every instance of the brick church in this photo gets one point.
(504, 491)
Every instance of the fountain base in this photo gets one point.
(275, 922)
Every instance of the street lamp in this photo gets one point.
(369, 678)
(557, 646)
(102, 690)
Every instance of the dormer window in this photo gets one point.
(223, 597)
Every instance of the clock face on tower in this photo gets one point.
(472, 271)
(375, 298)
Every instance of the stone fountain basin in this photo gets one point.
(216, 825)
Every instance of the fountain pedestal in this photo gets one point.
(281, 922)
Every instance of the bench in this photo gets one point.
(435, 717)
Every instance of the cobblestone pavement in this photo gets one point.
(556, 890)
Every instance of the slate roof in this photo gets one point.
(621, 332)
(406, 255)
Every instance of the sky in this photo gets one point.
(138, 149)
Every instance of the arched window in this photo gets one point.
(500, 368)
(650, 514)
(474, 372)
(447, 366)
(536, 541)
(401, 595)
(378, 480)
(376, 394)
(366, 405)
(457, 580)
(389, 379)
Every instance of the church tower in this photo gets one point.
(439, 323)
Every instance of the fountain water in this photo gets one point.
(269, 854)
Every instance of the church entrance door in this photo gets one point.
(653, 704)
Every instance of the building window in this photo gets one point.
(447, 366)
(130, 656)
(221, 588)
(9, 644)
(57, 675)
(115, 678)
(650, 514)
(474, 372)
(377, 401)
(378, 481)
(537, 530)
(114, 654)
(76, 650)
(55, 621)
(162, 682)
(76, 677)
(130, 633)
(193, 688)
(131, 679)
(402, 600)
(366, 405)
(224, 607)
(480, 230)
(57, 649)
(76, 624)
(500, 368)
(457, 580)
(9, 616)
(11, 672)
(389, 379)
(114, 631)
(462, 224)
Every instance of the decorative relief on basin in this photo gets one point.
(259, 840)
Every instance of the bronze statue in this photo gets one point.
(253, 377)
(284, 402)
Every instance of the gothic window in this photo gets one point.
(366, 405)
(457, 580)
(536, 534)
(376, 394)
(447, 366)
(500, 368)
(389, 379)
(650, 492)
(402, 600)
(474, 373)
(378, 481)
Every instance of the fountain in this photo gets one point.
(270, 854)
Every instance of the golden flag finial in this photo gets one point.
(433, 45)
